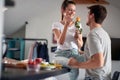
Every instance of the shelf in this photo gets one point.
(14, 49)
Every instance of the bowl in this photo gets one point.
(35, 68)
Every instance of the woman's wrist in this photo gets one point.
(80, 51)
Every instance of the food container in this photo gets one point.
(31, 67)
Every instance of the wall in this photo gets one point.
(40, 25)
(19, 34)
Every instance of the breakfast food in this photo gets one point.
(78, 24)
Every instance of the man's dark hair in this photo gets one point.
(99, 12)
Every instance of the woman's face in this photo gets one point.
(70, 11)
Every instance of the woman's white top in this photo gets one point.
(70, 41)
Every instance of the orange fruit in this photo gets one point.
(78, 19)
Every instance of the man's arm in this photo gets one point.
(96, 61)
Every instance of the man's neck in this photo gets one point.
(94, 25)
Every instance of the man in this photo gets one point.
(97, 49)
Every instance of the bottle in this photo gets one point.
(78, 24)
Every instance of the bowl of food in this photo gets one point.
(34, 65)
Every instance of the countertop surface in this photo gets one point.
(23, 74)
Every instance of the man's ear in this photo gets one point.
(92, 15)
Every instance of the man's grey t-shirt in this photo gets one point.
(98, 41)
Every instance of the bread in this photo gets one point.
(21, 65)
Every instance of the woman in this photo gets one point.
(67, 37)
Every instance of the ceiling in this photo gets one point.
(15, 17)
(90, 1)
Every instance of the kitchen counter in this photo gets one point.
(23, 74)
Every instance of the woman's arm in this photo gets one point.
(79, 39)
(60, 36)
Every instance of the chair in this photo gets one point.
(116, 75)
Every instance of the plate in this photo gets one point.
(47, 66)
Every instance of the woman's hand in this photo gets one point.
(80, 51)
(67, 20)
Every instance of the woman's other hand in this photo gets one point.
(76, 34)
(78, 38)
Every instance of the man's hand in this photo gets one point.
(73, 63)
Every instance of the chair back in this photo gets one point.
(116, 75)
